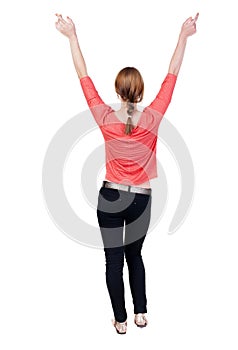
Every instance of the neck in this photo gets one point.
(124, 106)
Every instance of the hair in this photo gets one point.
(129, 86)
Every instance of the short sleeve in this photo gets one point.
(98, 108)
(163, 98)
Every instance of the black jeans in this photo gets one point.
(115, 209)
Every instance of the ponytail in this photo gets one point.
(129, 125)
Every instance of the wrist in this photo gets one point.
(183, 37)
(73, 37)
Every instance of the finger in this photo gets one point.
(62, 20)
(68, 18)
(193, 22)
(196, 17)
(58, 25)
(188, 20)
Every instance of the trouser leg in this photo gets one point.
(136, 271)
(114, 281)
(137, 224)
(111, 224)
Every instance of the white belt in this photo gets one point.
(126, 188)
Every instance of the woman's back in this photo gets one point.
(130, 158)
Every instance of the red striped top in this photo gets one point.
(130, 159)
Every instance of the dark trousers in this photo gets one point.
(124, 220)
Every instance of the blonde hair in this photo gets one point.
(129, 86)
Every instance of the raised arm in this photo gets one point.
(188, 29)
(97, 106)
(163, 98)
(67, 28)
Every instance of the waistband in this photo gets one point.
(127, 188)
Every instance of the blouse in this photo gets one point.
(130, 159)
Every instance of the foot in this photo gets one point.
(121, 327)
(140, 320)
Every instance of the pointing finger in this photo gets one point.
(196, 17)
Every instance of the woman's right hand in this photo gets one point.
(188, 29)
(66, 27)
(189, 26)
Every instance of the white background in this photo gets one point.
(53, 293)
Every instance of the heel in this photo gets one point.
(121, 327)
(140, 320)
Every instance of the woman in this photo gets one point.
(130, 143)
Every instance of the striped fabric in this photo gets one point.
(130, 159)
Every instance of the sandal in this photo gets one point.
(121, 327)
(140, 320)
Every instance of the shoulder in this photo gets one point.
(150, 118)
